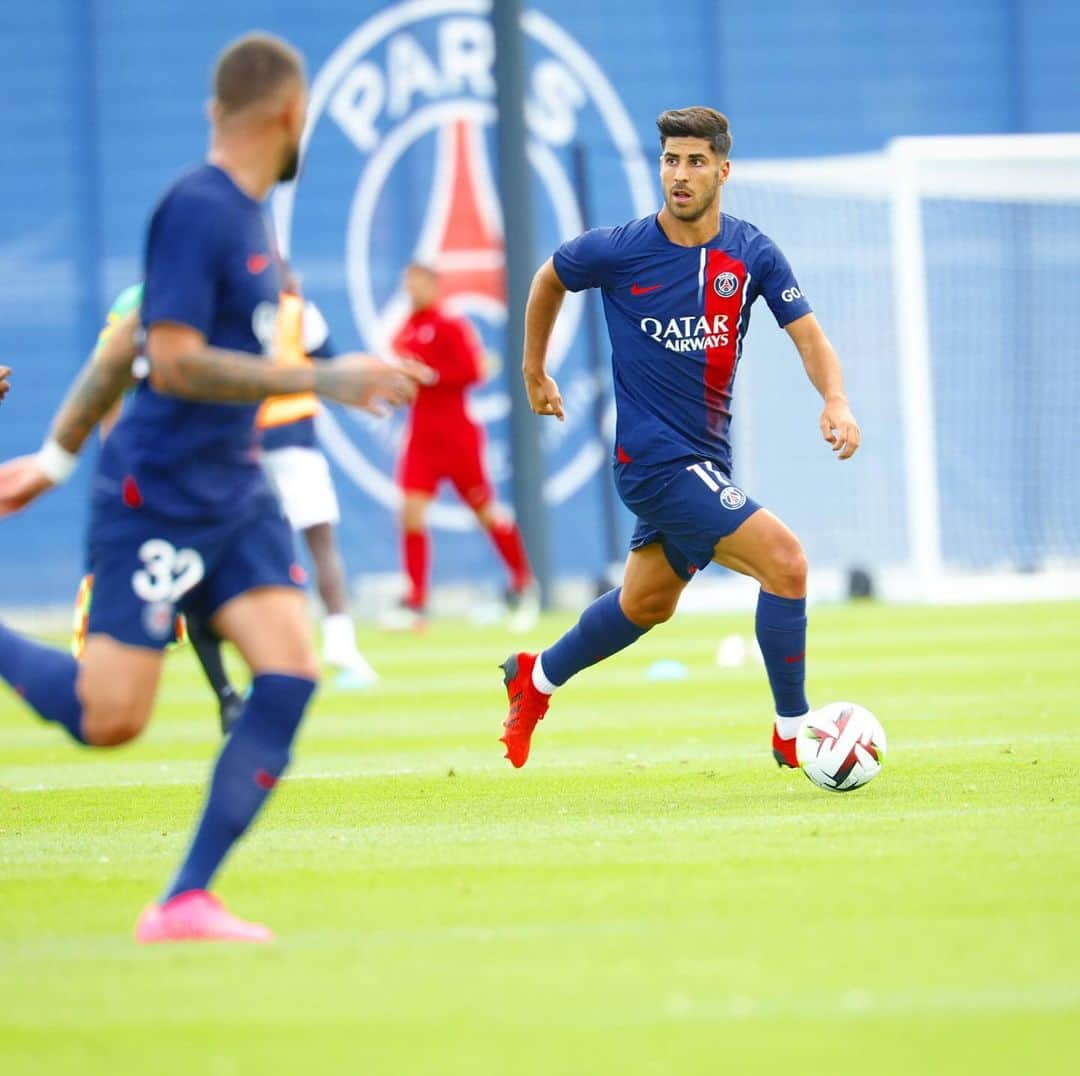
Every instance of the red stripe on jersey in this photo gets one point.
(722, 302)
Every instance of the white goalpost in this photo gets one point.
(946, 270)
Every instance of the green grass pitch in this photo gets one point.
(649, 895)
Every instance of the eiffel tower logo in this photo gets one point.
(417, 74)
(461, 237)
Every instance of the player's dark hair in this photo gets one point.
(253, 68)
(696, 122)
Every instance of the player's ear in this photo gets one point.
(213, 110)
(294, 112)
(725, 170)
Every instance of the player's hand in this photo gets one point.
(365, 381)
(839, 428)
(5, 373)
(544, 396)
(21, 481)
(395, 384)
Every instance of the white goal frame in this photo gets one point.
(907, 172)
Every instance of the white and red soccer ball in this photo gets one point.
(841, 746)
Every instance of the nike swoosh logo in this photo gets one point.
(637, 289)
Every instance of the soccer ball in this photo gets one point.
(841, 746)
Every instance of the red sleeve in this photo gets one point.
(461, 359)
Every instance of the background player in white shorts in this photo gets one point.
(301, 475)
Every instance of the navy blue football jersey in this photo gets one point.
(677, 317)
(209, 264)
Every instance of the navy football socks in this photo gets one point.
(253, 758)
(45, 677)
(781, 633)
(603, 630)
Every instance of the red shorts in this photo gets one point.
(457, 456)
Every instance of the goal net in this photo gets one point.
(944, 270)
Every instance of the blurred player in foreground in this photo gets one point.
(113, 368)
(677, 289)
(181, 513)
(444, 444)
(94, 400)
(5, 373)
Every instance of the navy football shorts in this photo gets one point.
(687, 508)
(146, 569)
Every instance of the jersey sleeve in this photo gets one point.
(461, 360)
(129, 300)
(182, 263)
(778, 284)
(587, 261)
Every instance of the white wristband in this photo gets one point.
(56, 462)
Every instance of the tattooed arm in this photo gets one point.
(95, 393)
(98, 389)
(182, 364)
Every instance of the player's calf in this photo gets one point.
(602, 630)
(44, 678)
(254, 757)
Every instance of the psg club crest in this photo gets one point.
(726, 284)
(732, 497)
(398, 166)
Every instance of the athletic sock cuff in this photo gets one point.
(280, 702)
(791, 604)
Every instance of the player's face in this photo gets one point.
(422, 288)
(691, 175)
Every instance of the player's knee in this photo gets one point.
(308, 669)
(788, 571)
(301, 662)
(113, 720)
(648, 610)
(486, 515)
(413, 516)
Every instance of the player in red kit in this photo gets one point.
(443, 443)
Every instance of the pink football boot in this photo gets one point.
(196, 916)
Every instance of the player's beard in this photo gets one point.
(698, 207)
(290, 168)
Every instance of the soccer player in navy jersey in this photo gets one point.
(677, 290)
(94, 400)
(181, 513)
(296, 467)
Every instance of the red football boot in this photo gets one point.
(784, 751)
(527, 706)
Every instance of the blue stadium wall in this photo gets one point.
(104, 104)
